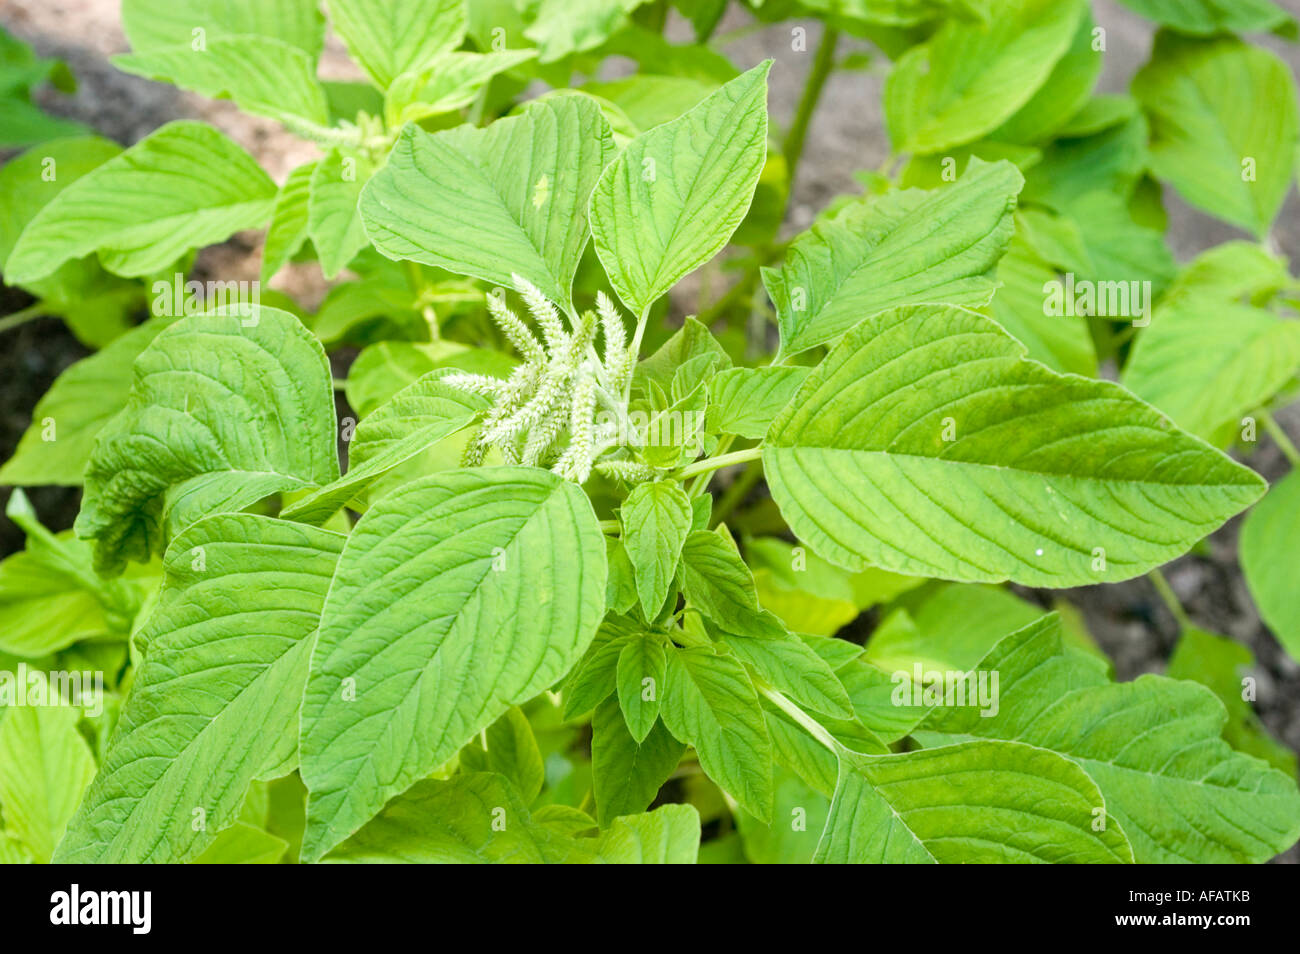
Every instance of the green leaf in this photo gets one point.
(458, 595)
(669, 835)
(264, 75)
(562, 27)
(594, 677)
(627, 775)
(243, 844)
(1206, 17)
(964, 82)
(185, 186)
(509, 748)
(224, 410)
(639, 678)
(620, 591)
(215, 702)
(1152, 746)
(1112, 160)
(691, 341)
(743, 401)
(1268, 559)
(153, 23)
(1232, 162)
(333, 219)
(798, 818)
(719, 584)
(971, 803)
(389, 37)
(1206, 363)
(709, 702)
(415, 418)
(69, 416)
(673, 197)
(895, 249)
(1047, 480)
(1222, 666)
(792, 667)
(469, 819)
(656, 518)
(1063, 344)
(450, 81)
(288, 229)
(45, 765)
(492, 202)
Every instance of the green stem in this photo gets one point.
(701, 482)
(14, 319)
(1169, 598)
(710, 464)
(823, 64)
(610, 526)
(807, 722)
(1279, 437)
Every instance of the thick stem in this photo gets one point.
(805, 721)
(709, 465)
(823, 64)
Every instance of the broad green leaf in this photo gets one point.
(594, 678)
(964, 82)
(971, 803)
(649, 100)
(69, 416)
(882, 701)
(794, 668)
(1233, 271)
(215, 702)
(895, 249)
(798, 817)
(669, 835)
(627, 775)
(448, 82)
(710, 703)
(673, 197)
(562, 27)
(511, 198)
(1232, 162)
(185, 186)
(1268, 559)
(1206, 363)
(1047, 480)
(45, 765)
(1206, 17)
(415, 418)
(719, 584)
(50, 597)
(1112, 160)
(264, 75)
(389, 37)
(333, 219)
(509, 748)
(160, 23)
(458, 595)
(639, 679)
(243, 844)
(223, 410)
(1099, 113)
(656, 518)
(288, 229)
(1223, 666)
(1061, 343)
(1152, 746)
(1063, 93)
(744, 401)
(469, 819)
(1123, 252)
(690, 341)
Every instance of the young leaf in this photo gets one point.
(450, 81)
(743, 401)
(627, 775)
(895, 249)
(224, 410)
(288, 229)
(1234, 163)
(966, 82)
(1268, 555)
(185, 186)
(1209, 17)
(639, 677)
(719, 584)
(511, 750)
(243, 844)
(265, 76)
(215, 703)
(673, 197)
(458, 595)
(934, 805)
(511, 198)
(389, 37)
(926, 444)
(656, 518)
(1153, 747)
(669, 835)
(594, 677)
(710, 703)
(795, 669)
(149, 24)
(45, 765)
(333, 220)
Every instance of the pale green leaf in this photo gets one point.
(639, 679)
(333, 220)
(669, 835)
(1268, 559)
(1048, 480)
(45, 765)
(389, 37)
(243, 844)
(288, 229)
(160, 23)
(719, 584)
(656, 518)
(1063, 93)
(450, 81)
(1062, 343)
(793, 667)
(744, 401)
(798, 817)
(1206, 17)
(458, 595)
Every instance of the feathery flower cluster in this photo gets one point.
(544, 414)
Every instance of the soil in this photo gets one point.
(847, 134)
